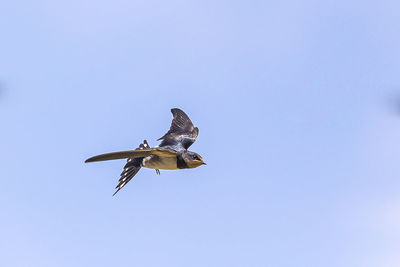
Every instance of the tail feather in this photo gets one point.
(131, 168)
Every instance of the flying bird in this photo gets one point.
(171, 154)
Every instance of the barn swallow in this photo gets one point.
(171, 154)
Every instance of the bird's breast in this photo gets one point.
(162, 163)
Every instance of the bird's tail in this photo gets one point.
(131, 168)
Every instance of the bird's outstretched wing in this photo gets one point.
(182, 131)
(138, 153)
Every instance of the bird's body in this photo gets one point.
(171, 154)
(161, 163)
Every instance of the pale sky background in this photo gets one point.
(298, 105)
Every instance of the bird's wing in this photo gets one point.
(158, 151)
(182, 131)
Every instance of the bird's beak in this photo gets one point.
(204, 163)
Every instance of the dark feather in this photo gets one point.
(131, 168)
(182, 131)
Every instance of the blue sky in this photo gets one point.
(297, 105)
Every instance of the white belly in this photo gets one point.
(162, 163)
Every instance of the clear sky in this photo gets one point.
(298, 105)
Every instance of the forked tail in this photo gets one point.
(131, 168)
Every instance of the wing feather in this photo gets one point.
(133, 154)
(182, 131)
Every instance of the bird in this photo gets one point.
(171, 154)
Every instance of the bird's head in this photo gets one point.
(193, 159)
